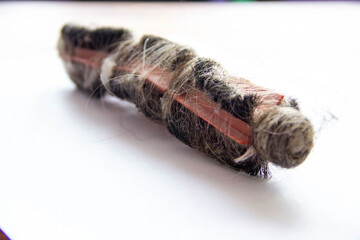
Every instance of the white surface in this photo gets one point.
(77, 168)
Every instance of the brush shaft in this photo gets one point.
(199, 102)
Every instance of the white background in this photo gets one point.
(73, 167)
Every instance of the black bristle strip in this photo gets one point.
(96, 89)
(181, 56)
(151, 40)
(126, 88)
(241, 106)
(97, 39)
(181, 125)
(122, 85)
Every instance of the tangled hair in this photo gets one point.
(170, 83)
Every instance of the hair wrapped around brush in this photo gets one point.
(228, 118)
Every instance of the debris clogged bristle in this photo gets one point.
(283, 135)
(210, 76)
(154, 73)
(102, 38)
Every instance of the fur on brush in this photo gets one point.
(280, 133)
